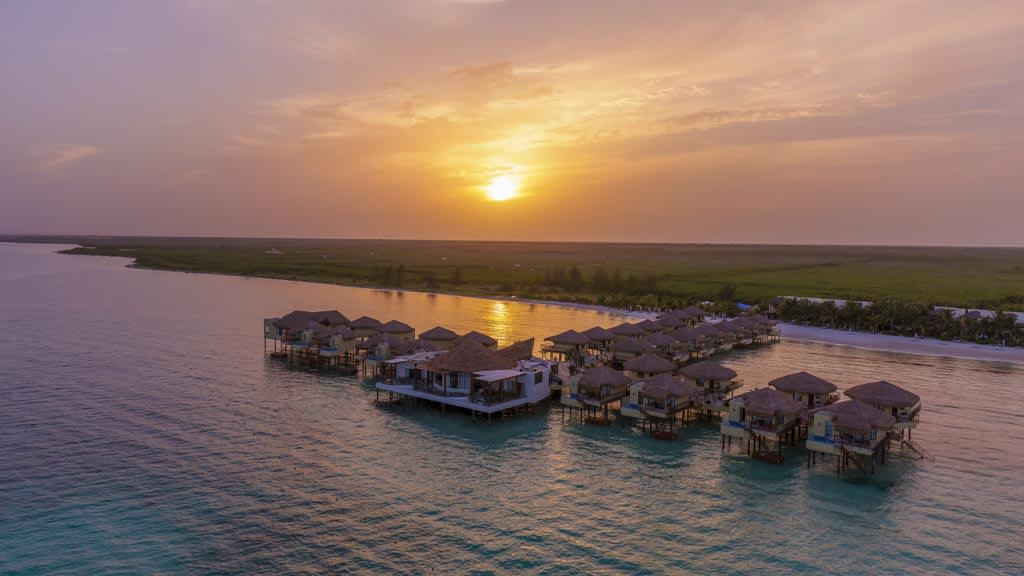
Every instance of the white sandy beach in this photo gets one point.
(887, 343)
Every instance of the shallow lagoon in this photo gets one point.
(144, 431)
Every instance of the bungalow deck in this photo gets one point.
(456, 401)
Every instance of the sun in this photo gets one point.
(503, 187)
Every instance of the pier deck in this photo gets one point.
(456, 401)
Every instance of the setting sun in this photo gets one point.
(503, 187)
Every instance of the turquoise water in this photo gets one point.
(143, 431)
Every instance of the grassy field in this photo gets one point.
(626, 273)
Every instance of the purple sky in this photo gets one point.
(810, 122)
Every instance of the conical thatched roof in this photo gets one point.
(706, 331)
(299, 319)
(883, 393)
(626, 329)
(469, 357)
(598, 334)
(648, 363)
(522, 350)
(708, 370)
(802, 383)
(598, 376)
(665, 384)
(770, 402)
(365, 323)
(659, 340)
(631, 347)
(477, 338)
(390, 339)
(648, 326)
(687, 335)
(668, 322)
(857, 416)
(439, 334)
(569, 338)
(396, 327)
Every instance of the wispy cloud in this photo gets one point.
(67, 155)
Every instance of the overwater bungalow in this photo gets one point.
(713, 339)
(625, 350)
(474, 378)
(811, 391)
(477, 338)
(648, 364)
(649, 326)
(570, 346)
(670, 323)
(903, 405)
(596, 389)
(365, 326)
(762, 417)
(662, 343)
(689, 343)
(600, 339)
(852, 431)
(626, 331)
(439, 337)
(664, 400)
(398, 329)
(716, 383)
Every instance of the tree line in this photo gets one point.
(905, 319)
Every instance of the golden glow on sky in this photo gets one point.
(503, 187)
(459, 119)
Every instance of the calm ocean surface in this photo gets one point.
(143, 431)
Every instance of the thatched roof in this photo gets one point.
(626, 329)
(687, 335)
(665, 384)
(365, 323)
(469, 357)
(569, 338)
(631, 347)
(659, 340)
(390, 339)
(396, 327)
(598, 334)
(521, 350)
(478, 338)
(598, 376)
(883, 393)
(857, 416)
(802, 383)
(670, 321)
(440, 334)
(299, 319)
(706, 331)
(769, 402)
(708, 370)
(648, 363)
(648, 326)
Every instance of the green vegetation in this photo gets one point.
(905, 319)
(649, 275)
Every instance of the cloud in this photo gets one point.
(70, 154)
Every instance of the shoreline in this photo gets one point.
(862, 340)
(902, 344)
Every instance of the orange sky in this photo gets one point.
(811, 122)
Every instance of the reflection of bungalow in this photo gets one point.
(478, 338)
(648, 364)
(852, 431)
(439, 337)
(716, 383)
(761, 417)
(808, 389)
(473, 377)
(903, 405)
(364, 326)
(398, 329)
(626, 331)
(595, 389)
